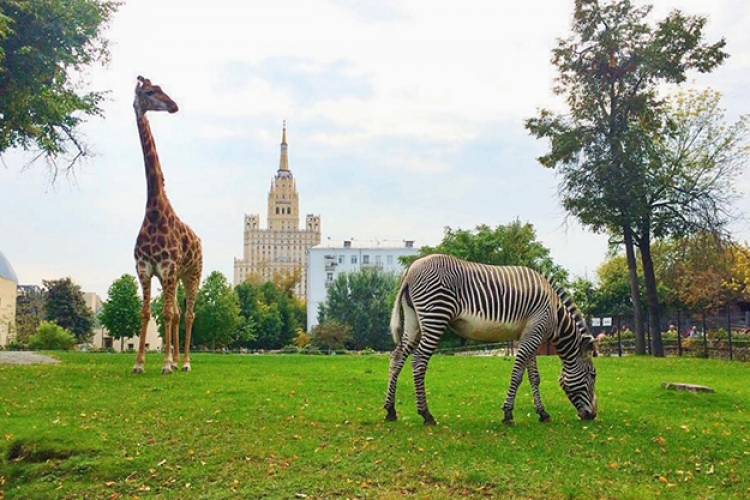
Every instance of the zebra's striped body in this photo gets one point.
(490, 303)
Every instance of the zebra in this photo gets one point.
(490, 303)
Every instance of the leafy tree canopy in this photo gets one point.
(512, 244)
(65, 306)
(362, 300)
(217, 312)
(45, 46)
(121, 312)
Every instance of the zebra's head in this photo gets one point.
(578, 378)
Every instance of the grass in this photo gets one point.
(312, 427)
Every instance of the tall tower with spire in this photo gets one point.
(278, 252)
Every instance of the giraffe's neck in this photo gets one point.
(154, 176)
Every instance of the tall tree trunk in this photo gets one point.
(657, 347)
(635, 296)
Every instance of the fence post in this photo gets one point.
(619, 335)
(729, 329)
(679, 333)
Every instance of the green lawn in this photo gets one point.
(312, 427)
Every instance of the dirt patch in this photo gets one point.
(24, 358)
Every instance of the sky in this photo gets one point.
(403, 117)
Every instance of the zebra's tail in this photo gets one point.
(397, 329)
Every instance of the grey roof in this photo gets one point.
(6, 270)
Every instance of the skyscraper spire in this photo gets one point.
(284, 161)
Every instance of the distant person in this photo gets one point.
(672, 329)
(693, 332)
(615, 331)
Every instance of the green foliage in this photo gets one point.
(331, 335)
(512, 244)
(64, 304)
(283, 426)
(121, 312)
(29, 314)
(45, 46)
(362, 300)
(271, 317)
(217, 313)
(51, 337)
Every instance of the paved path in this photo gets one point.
(24, 358)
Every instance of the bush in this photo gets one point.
(51, 337)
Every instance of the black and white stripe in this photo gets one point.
(491, 303)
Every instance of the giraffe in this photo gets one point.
(166, 247)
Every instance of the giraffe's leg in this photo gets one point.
(169, 287)
(398, 359)
(191, 291)
(526, 350)
(176, 336)
(534, 379)
(145, 280)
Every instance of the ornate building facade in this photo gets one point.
(278, 250)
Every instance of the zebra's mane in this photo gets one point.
(570, 306)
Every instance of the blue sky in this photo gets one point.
(403, 118)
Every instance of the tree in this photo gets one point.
(331, 335)
(45, 46)
(121, 312)
(29, 313)
(217, 312)
(606, 147)
(362, 300)
(64, 305)
(51, 337)
(271, 315)
(513, 244)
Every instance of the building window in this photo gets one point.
(389, 260)
(341, 259)
(354, 259)
(329, 277)
(378, 259)
(365, 260)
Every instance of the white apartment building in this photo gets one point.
(326, 263)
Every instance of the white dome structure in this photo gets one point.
(6, 270)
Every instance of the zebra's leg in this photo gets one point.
(526, 350)
(398, 359)
(534, 379)
(419, 362)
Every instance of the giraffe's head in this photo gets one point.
(149, 97)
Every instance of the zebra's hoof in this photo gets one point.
(509, 421)
(390, 415)
(137, 369)
(428, 418)
(544, 417)
(508, 417)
